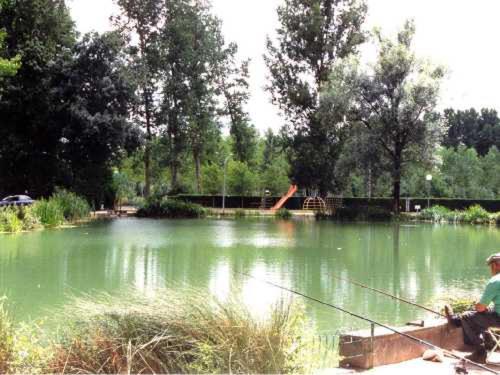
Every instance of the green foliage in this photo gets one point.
(437, 213)
(283, 214)
(405, 128)
(473, 215)
(8, 67)
(6, 340)
(50, 212)
(240, 179)
(311, 37)
(212, 179)
(182, 331)
(170, 208)
(471, 129)
(73, 207)
(476, 215)
(9, 220)
(42, 32)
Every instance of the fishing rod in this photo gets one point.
(419, 341)
(388, 295)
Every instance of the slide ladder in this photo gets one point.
(282, 201)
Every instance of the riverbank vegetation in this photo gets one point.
(473, 215)
(182, 331)
(62, 207)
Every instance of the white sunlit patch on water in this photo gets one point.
(228, 236)
(220, 281)
(258, 295)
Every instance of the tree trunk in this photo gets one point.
(147, 153)
(396, 179)
(174, 171)
(197, 168)
(147, 170)
(369, 182)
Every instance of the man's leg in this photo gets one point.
(475, 325)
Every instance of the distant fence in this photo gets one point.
(296, 203)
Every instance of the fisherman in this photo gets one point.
(476, 323)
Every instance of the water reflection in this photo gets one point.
(38, 270)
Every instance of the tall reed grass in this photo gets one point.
(178, 332)
(62, 207)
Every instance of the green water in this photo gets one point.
(38, 271)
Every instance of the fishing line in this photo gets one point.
(421, 342)
(387, 294)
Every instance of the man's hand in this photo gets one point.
(481, 308)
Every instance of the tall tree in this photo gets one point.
(42, 32)
(142, 21)
(472, 129)
(395, 101)
(312, 36)
(94, 96)
(233, 82)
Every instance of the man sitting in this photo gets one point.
(476, 323)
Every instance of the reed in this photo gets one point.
(181, 331)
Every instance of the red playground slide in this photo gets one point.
(282, 201)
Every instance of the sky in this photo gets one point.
(453, 33)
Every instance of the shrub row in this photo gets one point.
(170, 208)
(473, 215)
(62, 207)
(182, 331)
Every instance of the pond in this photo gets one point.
(40, 270)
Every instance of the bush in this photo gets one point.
(49, 212)
(476, 215)
(74, 208)
(170, 208)
(181, 331)
(436, 213)
(283, 214)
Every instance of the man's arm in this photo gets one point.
(481, 308)
(488, 295)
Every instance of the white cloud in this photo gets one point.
(457, 33)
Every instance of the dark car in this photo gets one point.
(16, 200)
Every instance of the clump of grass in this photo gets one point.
(10, 221)
(49, 212)
(178, 332)
(74, 208)
(6, 340)
(283, 214)
(171, 208)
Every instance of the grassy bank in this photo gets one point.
(473, 215)
(62, 207)
(181, 331)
